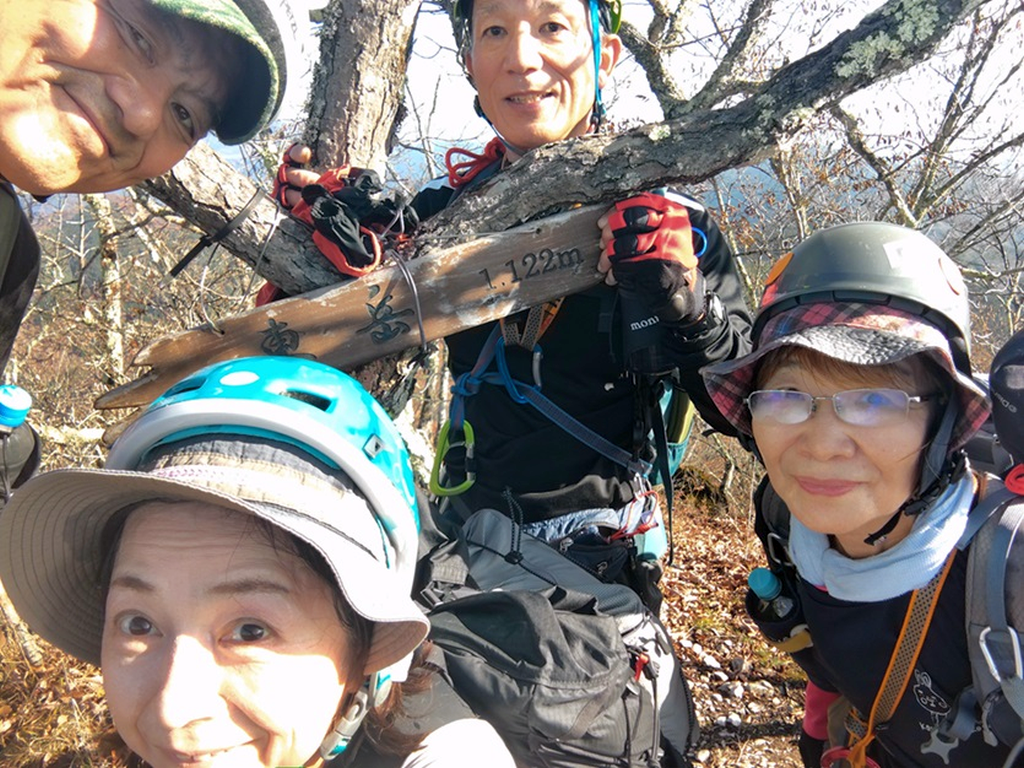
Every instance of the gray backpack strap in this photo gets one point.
(1000, 643)
(997, 496)
(772, 524)
(994, 645)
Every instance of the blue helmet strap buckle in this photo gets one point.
(345, 728)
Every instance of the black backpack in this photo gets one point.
(569, 670)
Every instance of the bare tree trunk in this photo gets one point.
(355, 109)
(782, 166)
(356, 99)
(110, 268)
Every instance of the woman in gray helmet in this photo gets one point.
(858, 399)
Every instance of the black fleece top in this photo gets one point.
(19, 268)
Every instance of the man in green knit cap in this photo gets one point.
(96, 95)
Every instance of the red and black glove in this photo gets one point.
(652, 255)
(335, 206)
(338, 206)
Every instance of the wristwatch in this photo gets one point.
(713, 316)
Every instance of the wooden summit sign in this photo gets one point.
(360, 320)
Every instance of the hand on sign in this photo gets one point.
(647, 248)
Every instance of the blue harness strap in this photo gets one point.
(468, 384)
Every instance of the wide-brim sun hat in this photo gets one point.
(268, 29)
(856, 333)
(52, 535)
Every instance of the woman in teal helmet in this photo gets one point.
(241, 571)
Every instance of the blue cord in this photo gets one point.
(704, 241)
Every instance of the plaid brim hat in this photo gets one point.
(51, 535)
(254, 97)
(861, 334)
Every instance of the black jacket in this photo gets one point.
(548, 471)
(852, 646)
(19, 268)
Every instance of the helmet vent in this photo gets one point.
(188, 385)
(308, 397)
(374, 445)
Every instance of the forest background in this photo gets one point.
(783, 116)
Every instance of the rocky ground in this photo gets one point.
(748, 696)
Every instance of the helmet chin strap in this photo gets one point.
(377, 686)
(595, 123)
(597, 113)
(938, 470)
(510, 147)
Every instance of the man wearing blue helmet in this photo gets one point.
(241, 571)
(673, 302)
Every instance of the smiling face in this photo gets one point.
(836, 478)
(97, 95)
(221, 649)
(532, 65)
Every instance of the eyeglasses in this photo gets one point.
(859, 407)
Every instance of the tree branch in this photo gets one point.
(722, 79)
(691, 149)
(882, 169)
(599, 168)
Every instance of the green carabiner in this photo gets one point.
(443, 446)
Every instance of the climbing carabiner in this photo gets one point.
(443, 446)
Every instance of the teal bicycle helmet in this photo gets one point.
(293, 443)
(307, 404)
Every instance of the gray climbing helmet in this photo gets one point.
(873, 263)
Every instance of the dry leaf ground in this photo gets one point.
(749, 696)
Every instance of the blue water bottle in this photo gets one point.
(17, 440)
(15, 403)
(772, 604)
